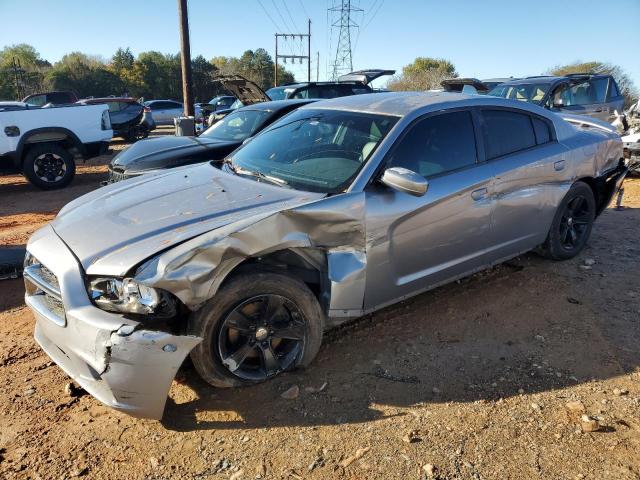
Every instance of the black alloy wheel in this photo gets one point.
(49, 167)
(261, 337)
(575, 222)
(572, 224)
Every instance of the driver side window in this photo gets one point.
(437, 144)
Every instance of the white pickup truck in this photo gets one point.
(43, 142)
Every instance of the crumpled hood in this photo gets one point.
(114, 228)
(163, 152)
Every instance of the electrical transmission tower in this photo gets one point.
(343, 62)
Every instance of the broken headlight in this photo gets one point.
(128, 296)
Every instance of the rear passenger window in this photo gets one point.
(543, 135)
(613, 89)
(507, 132)
(437, 144)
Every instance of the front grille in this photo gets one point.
(42, 291)
(116, 176)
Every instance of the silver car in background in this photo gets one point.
(338, 209)
(164, 111)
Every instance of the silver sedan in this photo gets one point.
(338, 209)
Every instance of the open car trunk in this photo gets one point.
(365, 76)
(243, 89)
(457, 85)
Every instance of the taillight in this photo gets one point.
(105, 124)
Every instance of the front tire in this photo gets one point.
(49, 166)
(572, 224)
(254, 328)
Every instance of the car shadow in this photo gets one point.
(524, 327)
(11, 294)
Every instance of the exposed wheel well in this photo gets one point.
(602, 191)
(308, 265)
(58, 136)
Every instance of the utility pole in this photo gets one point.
(185, 58)
(292, 57)
(19, 79)
(343, 62)
(318, 66)
(309, 53)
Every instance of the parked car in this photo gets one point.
(583, 94)
(213, 144)
(220, 114)
(164, 111)
(50, 98)
(339, 209)
(42, 142)
(129, 119)
(353, 83)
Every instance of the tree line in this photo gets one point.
(157, 75)
(150, 75)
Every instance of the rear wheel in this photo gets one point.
(256, 327)
(49, 166)
(572, 224)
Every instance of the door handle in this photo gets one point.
(559, 165)
(479, 194)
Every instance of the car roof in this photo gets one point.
(403, 103)
(310, 84)
(108, 99)
(550, 79)
(276, 105)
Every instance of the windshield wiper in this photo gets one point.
(259, 175)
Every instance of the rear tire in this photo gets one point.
(571, 225)
(49, 166)
(254, 328)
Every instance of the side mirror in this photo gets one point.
(405, 180)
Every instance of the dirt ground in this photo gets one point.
(486, 378)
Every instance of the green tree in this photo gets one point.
(84, 75)
(257, 66)
(424, 73)
(30, 75)
(627, 87)
(122, 61)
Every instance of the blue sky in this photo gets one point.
(489, 38)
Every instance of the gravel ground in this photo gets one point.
(487, 378)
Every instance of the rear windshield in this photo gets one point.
(277, 93)
(236, 126)
(528, 92)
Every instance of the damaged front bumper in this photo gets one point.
(115, 359)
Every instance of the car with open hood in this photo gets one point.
(595, 95)
(213, 144)
(339, 209)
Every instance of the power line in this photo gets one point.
(304, 9)
(374, 15)
(284, 3)
(269, 16)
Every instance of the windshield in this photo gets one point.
(237, 126)
(313, 150)
(528, 92)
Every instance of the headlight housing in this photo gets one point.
(128, 296)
